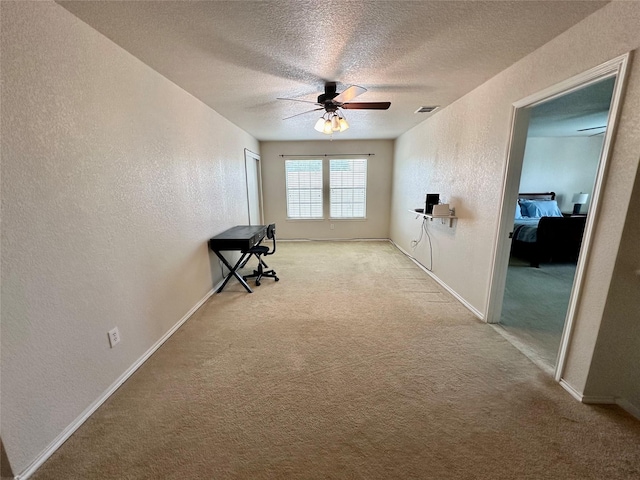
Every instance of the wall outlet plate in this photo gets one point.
(114, 337)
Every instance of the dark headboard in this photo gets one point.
(537, 196)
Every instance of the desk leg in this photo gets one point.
(233, 272)
(246, 260)
(249, 258)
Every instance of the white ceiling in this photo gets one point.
(239, 56)
(575, 114)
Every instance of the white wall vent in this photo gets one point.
(427, 109)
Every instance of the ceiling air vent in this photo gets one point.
(427, 109)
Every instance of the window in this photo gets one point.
(304, 188)
(348, 188)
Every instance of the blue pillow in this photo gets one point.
(540, 208)
(523, 207)
(518, 211)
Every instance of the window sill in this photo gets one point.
(305, 219)
(326, 219)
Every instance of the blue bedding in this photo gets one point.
(526, 229)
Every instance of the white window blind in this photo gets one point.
(348, 188)
(304, 188)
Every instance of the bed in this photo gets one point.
(542, 234)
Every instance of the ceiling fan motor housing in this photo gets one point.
(330, 92)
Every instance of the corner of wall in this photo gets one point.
(5, 466)
(617, 351)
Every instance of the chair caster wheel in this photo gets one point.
(276, 279)
(257, 283)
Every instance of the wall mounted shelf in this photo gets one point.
(451, 218)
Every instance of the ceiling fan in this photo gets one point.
(333, 102)
(594, 128)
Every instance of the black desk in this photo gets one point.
(239, 238)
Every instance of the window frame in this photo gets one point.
(325, 191)
(353, 188)
(289, 190)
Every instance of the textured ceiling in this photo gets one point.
(239, 56)
(574, 114)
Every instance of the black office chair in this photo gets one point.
(259, 251)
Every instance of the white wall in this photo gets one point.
(113, 179)
(565, 165)
(461, 152)
(458, 153)
(379, 172)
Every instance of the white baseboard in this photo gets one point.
(630, 408)
(84, 416)
(574, 393)
(333, 239)
(467, 305)
(599, 399)
(623, 403)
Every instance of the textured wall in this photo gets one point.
(565, 165)
(617, 354)
(113, 179)
(461, 152)
(458, 153)
(379, 171)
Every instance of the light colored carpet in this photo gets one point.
(535, 306)
(356, 365)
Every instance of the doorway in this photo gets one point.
(524, 117)
(560, 163)
(253, 178)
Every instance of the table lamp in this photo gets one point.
(578, 200)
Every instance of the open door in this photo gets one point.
(522, 112)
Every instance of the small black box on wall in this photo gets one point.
(432, 199)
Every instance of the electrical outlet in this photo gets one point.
(114, 337)
(332, 226)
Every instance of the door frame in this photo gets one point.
(250, 156)
(511, 181)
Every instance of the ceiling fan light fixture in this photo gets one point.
(343, 124)
(327, 127)
(335, 123)
(320, 125)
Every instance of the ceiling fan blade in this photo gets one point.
(297, 100)
(592, 128)
(303, 113)
(366, 105)
(352, 92)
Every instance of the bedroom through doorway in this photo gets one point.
(540, 313)
(560, 164)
